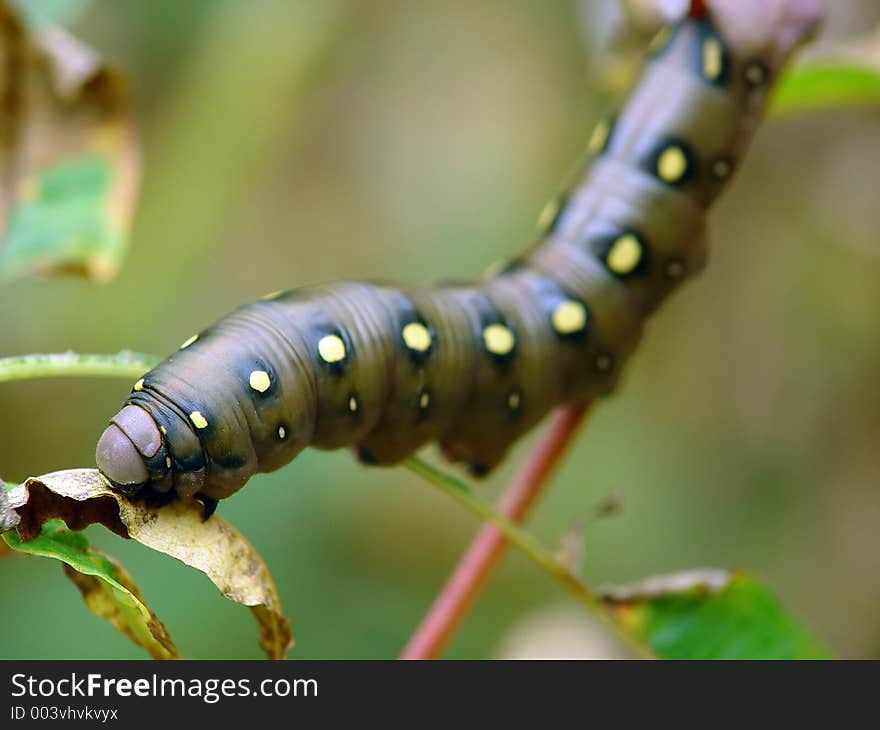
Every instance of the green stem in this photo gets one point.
(124, 364)
(529, 546)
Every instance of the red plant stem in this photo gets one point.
(697, 8)
(461, 590)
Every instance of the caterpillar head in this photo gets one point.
(131, 437)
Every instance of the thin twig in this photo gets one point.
(123, 364)
(528, 545)
(461, 589)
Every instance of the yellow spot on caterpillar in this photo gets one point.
(570, 316)
(416, 337)
(167, 462)
(138, 386)
(424, 399)
(514, 400)
(163, 430)
(282, 432)
(548, 214)
(755, 74)
(189, 342)
(599, 137)
(713, 59)
(198, 420)
(660, 39)
(352, 404)
(271, 295)
(624, 255)
(259, 381)
(672, 164)
(498, 339)
(331, 348)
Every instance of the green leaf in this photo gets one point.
(827, 85)
(106, 587)
(710, 615)
(64, 222)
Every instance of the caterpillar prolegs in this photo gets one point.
(473, 366)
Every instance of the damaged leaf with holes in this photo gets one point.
(69, 165)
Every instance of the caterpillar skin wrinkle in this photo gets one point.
(473, 366)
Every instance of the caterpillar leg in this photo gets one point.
(209, 506)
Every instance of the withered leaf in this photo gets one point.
(107, 588)
(8, 516)
(69, 161)
(81, 497)
(102, 599)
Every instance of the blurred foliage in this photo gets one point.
(833, 86)
(834, 74)
(40, 13)
(422, 139)
(737, 619)
(69, 161)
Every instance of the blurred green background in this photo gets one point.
(418, 143)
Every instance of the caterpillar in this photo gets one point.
(473, 366)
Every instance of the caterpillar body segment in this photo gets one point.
(474, 366)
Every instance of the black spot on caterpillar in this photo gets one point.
(473, 366)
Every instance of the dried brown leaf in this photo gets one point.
(81, 497)
(8, 516)
(101, 600)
